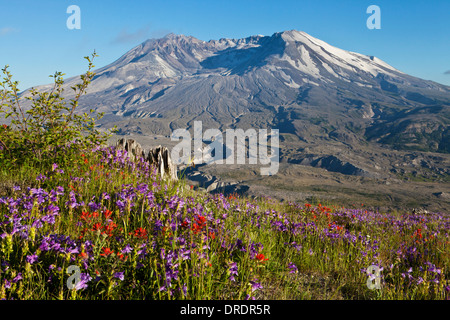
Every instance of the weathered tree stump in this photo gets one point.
(159, 156)
(133, 148)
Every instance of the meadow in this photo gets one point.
(136, 236)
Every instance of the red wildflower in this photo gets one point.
(96, 226)
(85, 215)
(201, 220)
(122, 257)
(185, 224)
(106, 252)
(110, 227)
(140, 233)
(260, 257)
(83, 255)
(212, 235)
(107, 214)
(196, 228)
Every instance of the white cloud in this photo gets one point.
(127, 37)
(141, 34)
(7, 30)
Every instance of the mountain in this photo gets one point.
(336, 110)
(289, 80)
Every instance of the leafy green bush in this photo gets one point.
(50, 131)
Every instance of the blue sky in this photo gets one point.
(35, 41)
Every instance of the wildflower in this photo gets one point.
(96, 226)
(185, 224)
(41, 177)
(85, 215)
(122, 257)
(255, 285)
(260, 257)
(32, 258)
(127, 249)
(232, 271)
(106, 252)
(293, 268)
(201, 220)
(140, 233)
(105, 196)
(119, 275)
(84, 279)
(110, 227)
(17, 278)
(83, 255)
(59, 190)
(107, 214)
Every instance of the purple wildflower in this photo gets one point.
(127, 249)
(17, 278)
(41, 177)
(233, 271)
(84, 279)
(32, 258)
(119, 275)
(255, 285)
(293, 268)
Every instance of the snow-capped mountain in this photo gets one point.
(289, 80)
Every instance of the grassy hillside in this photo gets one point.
(132, 235)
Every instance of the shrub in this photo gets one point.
(50, 131)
